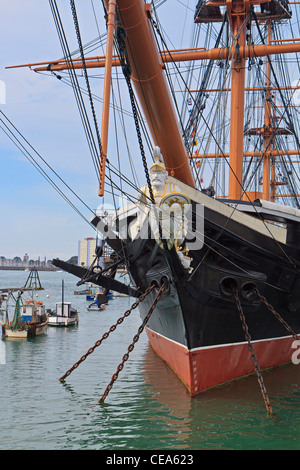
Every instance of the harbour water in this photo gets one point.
(148, 408)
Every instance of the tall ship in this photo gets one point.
(217, 221)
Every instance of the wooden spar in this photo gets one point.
(256, 154)
(267, 134)
(237, 13)
(61, 62)
(284, 40)
(246, 52)
(225, 90)
(152, 88)
(111, 26)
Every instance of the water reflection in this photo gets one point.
(230, 416)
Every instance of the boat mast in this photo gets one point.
(237, 13)
(111, 26)
(152, 88)
(269, 183)
(240, 13)
(267, 132)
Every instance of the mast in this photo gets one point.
(267, 134)
(147, 65)
(240, 13)
(237, 12)
(111, 26)
(152, 88)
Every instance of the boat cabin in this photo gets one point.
(63, 309)
(32, 311)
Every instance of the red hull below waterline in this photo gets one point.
(204, 368)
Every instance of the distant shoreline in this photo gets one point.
(26, 268)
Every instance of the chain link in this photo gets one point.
(276, 314)
(131, 346)
(106, 335)
(126, 68)
(137, 126)
(251, 349)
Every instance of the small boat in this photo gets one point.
(64, 314)
(95, 291)
(81, 292)
(118, 294)
(29, 320)
(95, 307)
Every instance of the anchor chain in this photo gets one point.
(106, 334)
(276, 314)
(131, 346)
(251, 349)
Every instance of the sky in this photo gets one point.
(34, 218)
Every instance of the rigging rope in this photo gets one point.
(75, 85)
(75, 19)
(276, 81)
(126, 68)
(18, 143)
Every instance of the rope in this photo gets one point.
(126, 68)
(75, 85)
(76, 24)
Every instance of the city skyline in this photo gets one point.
(26, 261)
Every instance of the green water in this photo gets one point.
(147, 409)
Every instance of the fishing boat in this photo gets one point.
(29, 317)
(82, 292)
(218, 221)
(64, 314)
(29, 320)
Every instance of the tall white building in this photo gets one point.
(86, 251)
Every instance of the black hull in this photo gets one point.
(199, 309)
(198, 313)
(197, 319)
